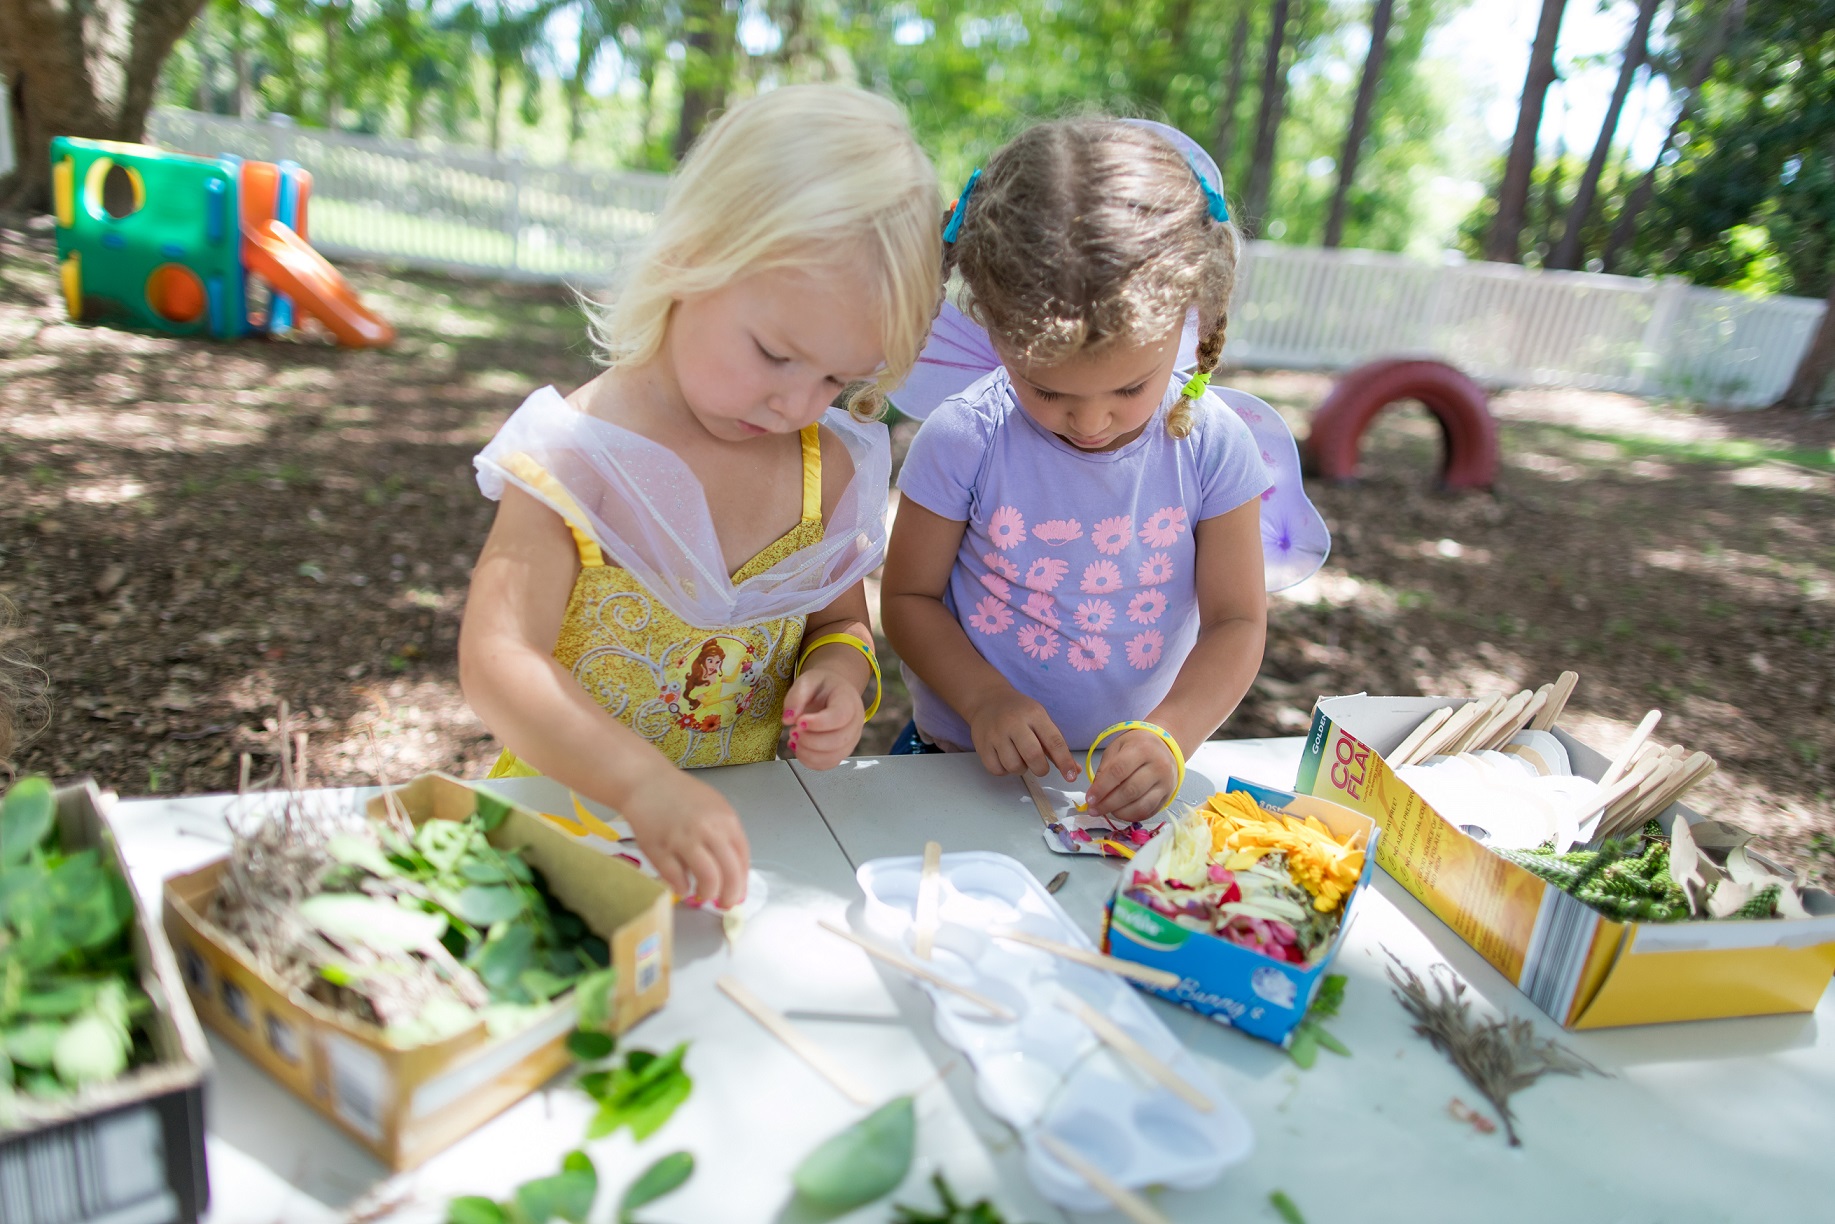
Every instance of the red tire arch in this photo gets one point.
(1470, 457)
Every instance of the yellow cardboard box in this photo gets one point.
(1580, 967)
(405, 1103)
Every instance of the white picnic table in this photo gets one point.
(1719, 1120)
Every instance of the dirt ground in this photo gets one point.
(194, 531)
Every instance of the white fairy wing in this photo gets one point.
(648, 512)
(956, 355)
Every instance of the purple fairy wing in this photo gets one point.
(957, 354)
(1295, 541)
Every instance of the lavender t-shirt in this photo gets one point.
(1074, 578)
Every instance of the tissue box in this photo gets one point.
(1229, 983)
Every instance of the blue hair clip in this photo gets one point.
(960, 209)
(1213, 199)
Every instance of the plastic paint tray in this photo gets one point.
(1047, 1071)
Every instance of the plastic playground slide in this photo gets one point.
(274, 252)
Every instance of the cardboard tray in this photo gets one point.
(405, 1103)
(1579, 966)
(134, 1147)
(1232, 984)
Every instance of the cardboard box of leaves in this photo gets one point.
(1582, 968)
(406, 1100)
(131, 1146)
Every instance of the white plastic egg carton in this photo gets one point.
(1046, 1070)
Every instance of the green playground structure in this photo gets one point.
(170, 242)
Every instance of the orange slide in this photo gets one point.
(272, 251)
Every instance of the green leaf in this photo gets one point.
(642, 1094)
(486, 905)
(474, 1209)
(865, 1161)
(355, 851)
(492, 811)
(32, 1045)
(485, 871)
(58, 998)
(373, 922)
(25, 818)
(91, 1050)
(590, 1046)
(664, 1177)
(596, 998)
(505, 956)
(1329, 998)
(1286, 1207)
(1332, 1043)
(1304, 1049)
(568, 1195)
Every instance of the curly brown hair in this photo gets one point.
(1088, 232)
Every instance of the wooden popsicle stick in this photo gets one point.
(1124, 1044)
(1040, 799)
(1619, 789)
(1698, 766)
(1489, 711)
(998, 1010)
(1623, 813)
(1161, 978)
(1536, 704)
(1557, 702)
(1450, 730)
(929, 883)
(779, 1026)
(1124, 1200)
(1404, 751)
(1629, 752)
(1503, 725)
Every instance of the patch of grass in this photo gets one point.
(1806, 751)
(1740, 452)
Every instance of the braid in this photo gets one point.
(1210, 350)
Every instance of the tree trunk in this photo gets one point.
(1503, 243)
(496, 107)
(1625, 228)
(1232, 93)
(1568, 250)
(706, 69)
(1380, 17)
(1817, 366)
(79, 70)
(1267, 118)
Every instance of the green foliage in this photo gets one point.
(567, 1195)
(953, 1211)
(1286, 1208)
(589, 1046)
(69, 993)
(666, 1176)
(1310, 1033)
(642, 1093)
(862, 1163)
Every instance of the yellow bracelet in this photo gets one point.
(1135, 724)
(848, 639)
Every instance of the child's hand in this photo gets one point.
(825, 717)
(1013, 733)
(1136, 778)
(691, 834)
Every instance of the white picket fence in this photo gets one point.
(1295, 307)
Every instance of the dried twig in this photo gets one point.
(1499, 1057)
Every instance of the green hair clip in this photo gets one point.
(1195, 387)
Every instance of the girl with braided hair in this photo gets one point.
(1081, 541)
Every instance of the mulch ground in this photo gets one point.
(192, 532)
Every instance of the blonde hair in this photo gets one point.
(1088, 232)
(805, 172)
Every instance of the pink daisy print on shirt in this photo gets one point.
(991, 616)
(1058, 531)
(1089, 654)
(1038, 641)
(1144, 649)
(1094, 615)
(1146, 606)
(1162, 528)
(1007, 528)
(1044, 574)
(1000, 586)
(1002, 566)
(1042, 608)
(1100, 578)
(1110, 536)
(1155, 570)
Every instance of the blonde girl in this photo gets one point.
(1080, 542)
(675, 570)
